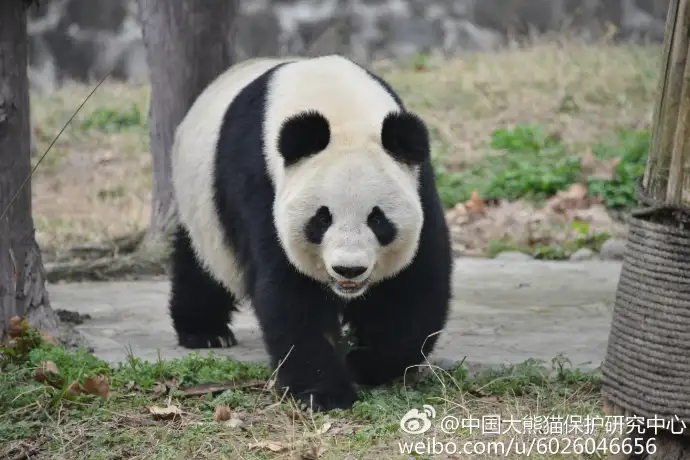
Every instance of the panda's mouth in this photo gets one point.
(349, 288)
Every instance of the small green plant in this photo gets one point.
(114, 121)
(420, 62)
(632, 149)
(535, 166)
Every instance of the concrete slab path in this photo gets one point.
(504, 312)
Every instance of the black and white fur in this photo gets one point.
(305, 186)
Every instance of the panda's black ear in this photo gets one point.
(406, 138)
(303, 135)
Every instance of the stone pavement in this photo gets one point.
(504, 311)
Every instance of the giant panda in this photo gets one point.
(304, 186)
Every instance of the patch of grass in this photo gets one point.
(534, 166)
(58, 425)
(632, 148)
(113, 121)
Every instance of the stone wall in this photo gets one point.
(84, 39)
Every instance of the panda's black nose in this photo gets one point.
(348, 272)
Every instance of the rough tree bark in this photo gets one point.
(187, 45)
(22, 276)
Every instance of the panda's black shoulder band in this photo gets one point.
(406, 138)
(303, 135)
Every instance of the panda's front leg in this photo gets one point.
(396, 326)
(301, 329)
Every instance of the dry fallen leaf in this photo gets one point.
(598, 169)
(48, 339)
(74, 389)
(273, 446)
(165, 413)
(204, 388)
(222, 413)
(97, 385)
(48, 372)
(588, 164)
(130, 385)
(607, 169)
(16, 326)
(234, 423)
(159, 389)
(325, 427)
(575, 197)
(312, 453)
(475, 204)
(48, 366)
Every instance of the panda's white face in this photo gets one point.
(350, 218)
(343, 156)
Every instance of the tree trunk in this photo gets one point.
(187, 45)
(22, 276)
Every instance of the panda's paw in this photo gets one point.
(370, 370)
(224, 339)
(323, 401)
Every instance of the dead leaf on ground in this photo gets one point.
(222, 413)
(200, 390)
(49, 373)
(344, 430)
(50, 340)
(273, 446)
(575, 197)
(159, 389)
(312, 453)
(325, 427)
(97, 385)
(165, 413)
(588, 164)
(16, 327)
(598, 169)
(475, 204)
(74, 389)
(235, 423)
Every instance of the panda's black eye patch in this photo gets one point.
(318, 224)
(383, 228)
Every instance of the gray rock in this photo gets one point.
(582, 254)
(513, 255)
(613, 249)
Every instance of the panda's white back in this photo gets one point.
(193, 155)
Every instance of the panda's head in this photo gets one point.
(347, 209)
